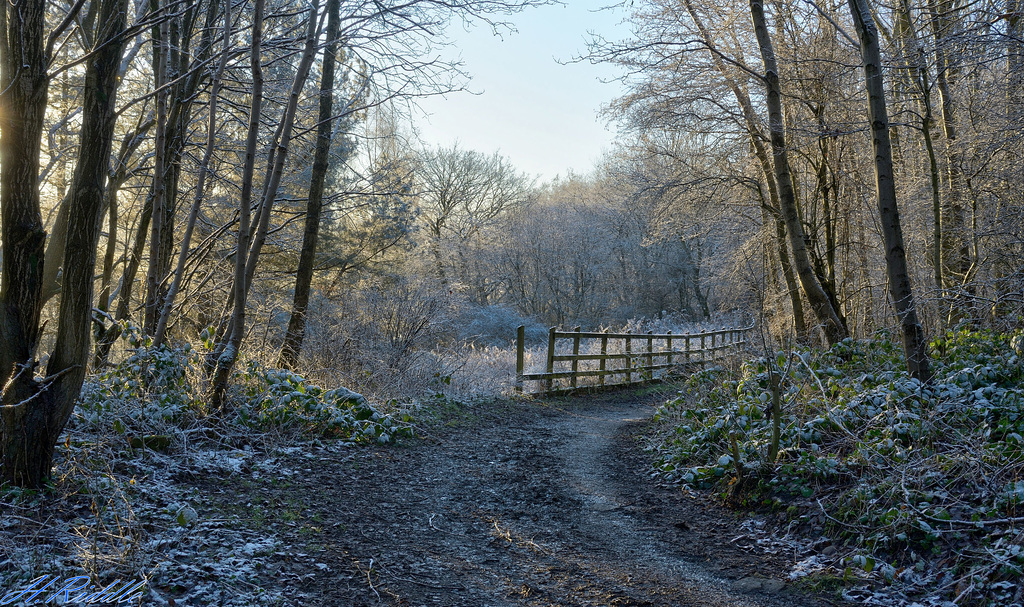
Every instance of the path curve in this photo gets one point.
(524, 504)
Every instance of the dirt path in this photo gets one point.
(522, 504)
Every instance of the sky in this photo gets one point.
(534, 110)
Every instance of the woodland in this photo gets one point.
(217, 218)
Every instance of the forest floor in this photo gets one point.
(499, 503)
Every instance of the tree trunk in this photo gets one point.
(792, 288)
(35, 412)
(227, 352)
(279, 153)
(67, 364)
(307, 257)
(124, 300)
(816, 296)
(204, 167)
(22, 105)
(55, 251)
(1014, 58)
(183, 73)
(957, 255)
(158, 199)
(917, 70)
(129, 145)
(914, 344)
(757, 141)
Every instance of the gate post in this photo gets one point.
(629, 358)
(551, 358)
(649, 373)
(603, 364)
(575, 354)
(520, 346)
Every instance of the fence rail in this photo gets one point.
(640, 355)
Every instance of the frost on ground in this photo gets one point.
(122, 504)
(143, 519)
(501, 503)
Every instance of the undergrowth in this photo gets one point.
(121, 503)
(919, 486)
(157, 389)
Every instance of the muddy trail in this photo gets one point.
(543, 503)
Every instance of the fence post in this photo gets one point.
(551, 359)
(520, 346)
(687, 349)
(649, 374)
(603, 366)
(575, 353)
(668, 347)
(703, 348)
(629, 358)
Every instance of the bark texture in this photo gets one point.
(307, 257)
(914, 344)
(816, 295)
(24, 88)
(34, 412)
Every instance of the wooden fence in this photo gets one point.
(637, 360)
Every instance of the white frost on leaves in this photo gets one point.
(264, 546)
(219, 461)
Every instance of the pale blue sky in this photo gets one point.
(540, 114)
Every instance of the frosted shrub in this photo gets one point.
(276, 397)
(679, 325)
(150, 389)
(496, 326)
(378, 339)
(900, 468)
(475, 371)
(155, 390)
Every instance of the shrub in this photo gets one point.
(276, 397)
(149, 390)
(899, 468)
(154, 390)
(496, 326)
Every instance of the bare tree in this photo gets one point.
(314, 205)
(914, 343)
(820, 304)
(462, 193)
